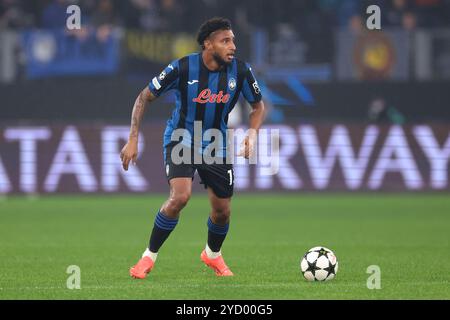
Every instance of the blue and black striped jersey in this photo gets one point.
(203, 95)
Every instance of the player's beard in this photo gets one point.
(220, 61)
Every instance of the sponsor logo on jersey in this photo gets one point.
(206, 96)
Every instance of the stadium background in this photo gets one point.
(363, 119)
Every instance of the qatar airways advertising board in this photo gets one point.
(69, 158)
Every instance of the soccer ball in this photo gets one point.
(319, 264)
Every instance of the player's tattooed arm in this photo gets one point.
(256, 119)
(138, 112)
(130, 150)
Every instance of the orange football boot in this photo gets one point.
(140, 270)
(217, 264)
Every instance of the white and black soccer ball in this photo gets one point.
(319, 264)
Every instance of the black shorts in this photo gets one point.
(218, 176)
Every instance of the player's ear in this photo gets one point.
(207, 43)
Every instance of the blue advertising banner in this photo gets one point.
(57, 53)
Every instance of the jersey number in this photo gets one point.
(230, 172)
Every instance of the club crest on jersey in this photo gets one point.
(206, 96)
(232, 84)
(162, 76)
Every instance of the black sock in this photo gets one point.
(216, 235)
(161, 230)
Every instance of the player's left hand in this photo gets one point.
(247, 146)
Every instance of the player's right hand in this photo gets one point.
(129, 153)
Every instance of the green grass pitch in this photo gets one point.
(407, 236)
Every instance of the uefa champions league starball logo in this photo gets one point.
(256, 87)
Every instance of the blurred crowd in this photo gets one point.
(313, 16)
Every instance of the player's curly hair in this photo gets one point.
(211, 25)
